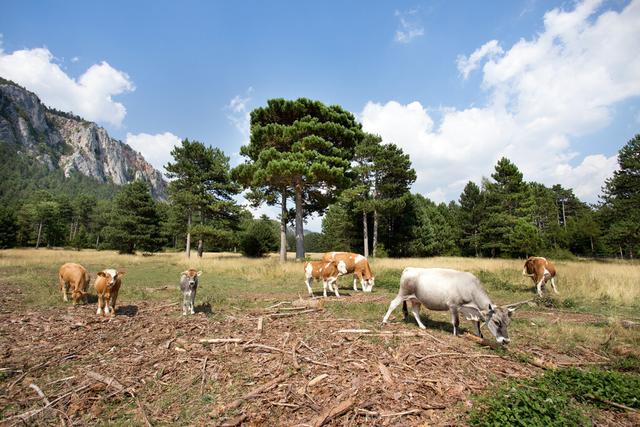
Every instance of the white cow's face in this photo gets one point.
(368, 284)
(498, 319)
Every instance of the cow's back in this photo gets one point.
(439, 288)
(350, 259)
(75, 274)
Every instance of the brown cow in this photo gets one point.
(107, 285)
(356, 264)
(75, 278)
(328, 272)
(540, 270)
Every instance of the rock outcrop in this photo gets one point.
(62, 140)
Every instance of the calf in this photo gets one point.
(540, 270)
(442, 289)
(75, 278)
(356, 264)
(107, 285)
(328, 272)
(189, 286)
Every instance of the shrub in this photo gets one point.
(259, 238)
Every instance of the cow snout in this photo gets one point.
(503, 340)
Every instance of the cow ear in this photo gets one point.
(102, 274)
(184, 273)
(199, 273)
(472, 313)
(119, 274)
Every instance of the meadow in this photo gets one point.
(592, 322)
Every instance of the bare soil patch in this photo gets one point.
(148, 365)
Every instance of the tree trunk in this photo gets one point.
(475, 244)
(283, 228)
(591, 241)
(299, 224)
(365, 232)
(39, 234)
(97, 241)
(188, 250)
(71, 230)
(375, 231)
(621, 254)
(200, 248)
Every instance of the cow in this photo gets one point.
(107, 285)
(189, 286)
(75, 278)
(328, 272)
(443, 289)
(356, 264)
(540, 270)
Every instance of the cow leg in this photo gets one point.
(405, 312)
(185, 303)
(539, 287)
(455, 320)
(64, 287)
(477, 322)
(553, 284)
(193, 300)
(114, 297)
(324, 288)
(415, 309)
(355, 282)
(107, 303)
(392, 306)
(100, 304)
(332, 285)
(307, 282)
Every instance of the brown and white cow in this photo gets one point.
(107, 285)
(328, 272)
(75, 278)
(356, 264)
(540, 270)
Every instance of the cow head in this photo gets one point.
(529, 267)
(368, 284)
(191, 276)
(111, 276)
(496, 318)
(77, 294)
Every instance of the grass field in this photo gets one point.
(584, 322)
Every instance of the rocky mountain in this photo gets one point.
(65, 141)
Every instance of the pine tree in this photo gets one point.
(134, 223)
(301, 148)
(470, 218)
(621, 201)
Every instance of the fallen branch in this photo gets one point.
(204, 375)
(265, 347)
(482, 341)
(614, 404)
(236, 403)
(354, 331)
(109, 382)
(220, 340)
(316, 380)
(294, 356)
(26, 415)
(462, 355)
(315, 362)
(278, 304)
(386, 375)
(235, 421)
(295, 313)
(260, 324)
(332, 412)
(398, 414)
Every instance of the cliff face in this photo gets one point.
(61, 140)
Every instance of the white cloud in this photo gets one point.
(409, 27)
(156, 149)
(543, 92)
(90, 95)
(239, 116)
(75, 59)
(467, 64)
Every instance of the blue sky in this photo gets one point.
(554, 86)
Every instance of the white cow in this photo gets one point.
(443, 289)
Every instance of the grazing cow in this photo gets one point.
(328, 272)
(442, 289)
(356, 264)
(107, 285)
(540, 270)
(189, 286)
(75, 278)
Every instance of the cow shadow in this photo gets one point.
(127, 310)
(92, 299)
(203, 308)
(330, 294)
(433, 324)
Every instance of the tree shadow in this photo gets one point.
(127, 310)
(203, 308)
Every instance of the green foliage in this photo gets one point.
(560, 397)
(134, 223)
(8, 228)
(259, 238)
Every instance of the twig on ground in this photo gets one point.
(234, 421)
(386, 375)
(236, 403)
(315, 362)
(260, 324)
(295, 313)
(398, 414)
(221, 340)
(265, 347)
(462, 355)
(614, 404)
(294, 348)
(204, 375)
(144, 415)
(26, 415)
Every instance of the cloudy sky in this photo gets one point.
(554, 86)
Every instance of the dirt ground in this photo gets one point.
(147, 366)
